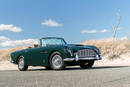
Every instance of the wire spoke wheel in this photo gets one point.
(56, 61)
(21, 64)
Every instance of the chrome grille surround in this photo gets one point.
(86, 53)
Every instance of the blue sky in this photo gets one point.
(74, 20)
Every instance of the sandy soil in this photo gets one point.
(123, 61)
(6, 65)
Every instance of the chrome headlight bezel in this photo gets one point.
(70, 51)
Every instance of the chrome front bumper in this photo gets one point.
(86, 58)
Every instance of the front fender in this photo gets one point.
(15, 55)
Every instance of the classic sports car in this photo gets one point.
(54, 53)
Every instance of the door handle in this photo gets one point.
(43, 51)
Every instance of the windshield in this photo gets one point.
(53, 41)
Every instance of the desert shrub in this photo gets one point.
(111, 48)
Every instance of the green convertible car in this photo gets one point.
(54, 53)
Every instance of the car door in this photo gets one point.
(37, 56)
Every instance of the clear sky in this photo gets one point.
(23, 21)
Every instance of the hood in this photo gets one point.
(76, 47)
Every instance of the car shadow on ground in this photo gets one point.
(78, 68)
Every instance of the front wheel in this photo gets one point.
(56, 61)
(87, 64)
(21, 64)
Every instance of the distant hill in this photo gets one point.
(5, 54)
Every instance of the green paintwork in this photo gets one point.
(40, 56)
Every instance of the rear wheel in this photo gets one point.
(56, 61)
(21, 64)
(87, 64)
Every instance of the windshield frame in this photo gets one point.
(63, 41)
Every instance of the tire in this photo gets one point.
(56, 62)
(87, 65)
(21, 64)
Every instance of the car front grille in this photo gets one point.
(86, 53)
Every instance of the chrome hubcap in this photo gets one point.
(57, 61)
(21, 63)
